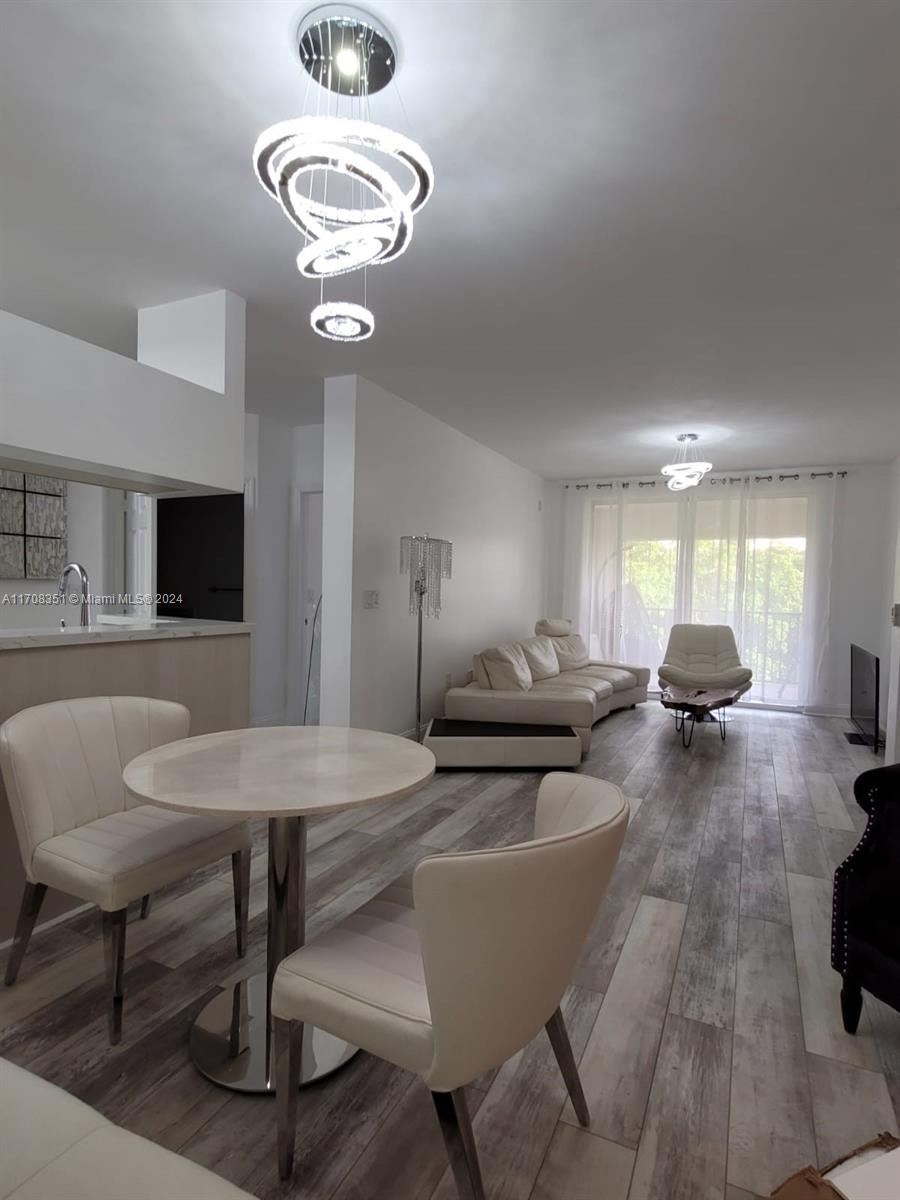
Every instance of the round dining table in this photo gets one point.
(285, 774)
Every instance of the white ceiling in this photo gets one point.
(650, 215)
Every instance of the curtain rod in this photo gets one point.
(772, 477)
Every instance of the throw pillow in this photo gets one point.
(571, 652)
(541, 658)
(507, 668)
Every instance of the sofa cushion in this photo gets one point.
(571, 652)
(479, 673)
(507, 667)
(621, 679)
(540, 655)
(553, 627)
(577, 679)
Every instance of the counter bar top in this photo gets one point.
(118, 631)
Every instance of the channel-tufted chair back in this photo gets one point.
(62, 762)
(501, 931)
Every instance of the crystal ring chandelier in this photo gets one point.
(686, 471)
(342, 322)
(377, 178)
(343, 238)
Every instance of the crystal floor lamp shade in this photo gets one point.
(427, 561)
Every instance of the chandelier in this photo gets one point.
(349, 186)
(686, 471)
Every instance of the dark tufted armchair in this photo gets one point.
(865, 926)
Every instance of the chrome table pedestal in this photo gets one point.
(231, 1039)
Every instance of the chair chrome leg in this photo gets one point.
(32, 899)
(456, 1127)
(288, 1052)
(146, 905)
(562, 1048)
(240, 874)
(114, 924)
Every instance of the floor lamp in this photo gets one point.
(427, 561)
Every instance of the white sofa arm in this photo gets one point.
(641, 674)
(568, 706)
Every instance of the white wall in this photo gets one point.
(338, 517)
(77, 410)
(412, 474)
(307, 477)
(862, 562)
(268, 563)
(87, 531)
(279, 462)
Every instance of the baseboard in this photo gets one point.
(38, 929)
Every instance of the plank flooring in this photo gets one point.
(704, 1011)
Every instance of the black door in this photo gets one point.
(200, 557)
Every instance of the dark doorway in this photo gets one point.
(200, 557)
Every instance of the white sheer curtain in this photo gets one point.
(754, 554)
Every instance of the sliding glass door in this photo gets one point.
(731, 557)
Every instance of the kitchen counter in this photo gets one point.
(118, 629)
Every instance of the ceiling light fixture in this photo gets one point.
(378, 179)
(347, 61)
(342, 322)
(686, 471)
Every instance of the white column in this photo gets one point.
(892, 665)
(203, 340)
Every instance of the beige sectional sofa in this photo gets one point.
(546, 680)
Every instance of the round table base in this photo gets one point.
(230, 1046)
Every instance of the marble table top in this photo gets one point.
(279, 771)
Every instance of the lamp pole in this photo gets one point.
(421, 589)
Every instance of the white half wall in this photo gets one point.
(72, 409)
(392, 469)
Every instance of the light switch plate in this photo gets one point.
(371, 599)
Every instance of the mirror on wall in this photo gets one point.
(46, 522)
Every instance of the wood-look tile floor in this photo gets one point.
(704, 1012)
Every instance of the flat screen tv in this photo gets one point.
(864, 683)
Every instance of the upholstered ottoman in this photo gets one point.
(496, 744)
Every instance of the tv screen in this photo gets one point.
(864, 684)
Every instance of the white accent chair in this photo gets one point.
(452, 970)
(55, 1146)
(703, 656)
(79, 831)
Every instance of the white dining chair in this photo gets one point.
(79, 831)
(449, 972)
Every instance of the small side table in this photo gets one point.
(693, 704)
(285, 774)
